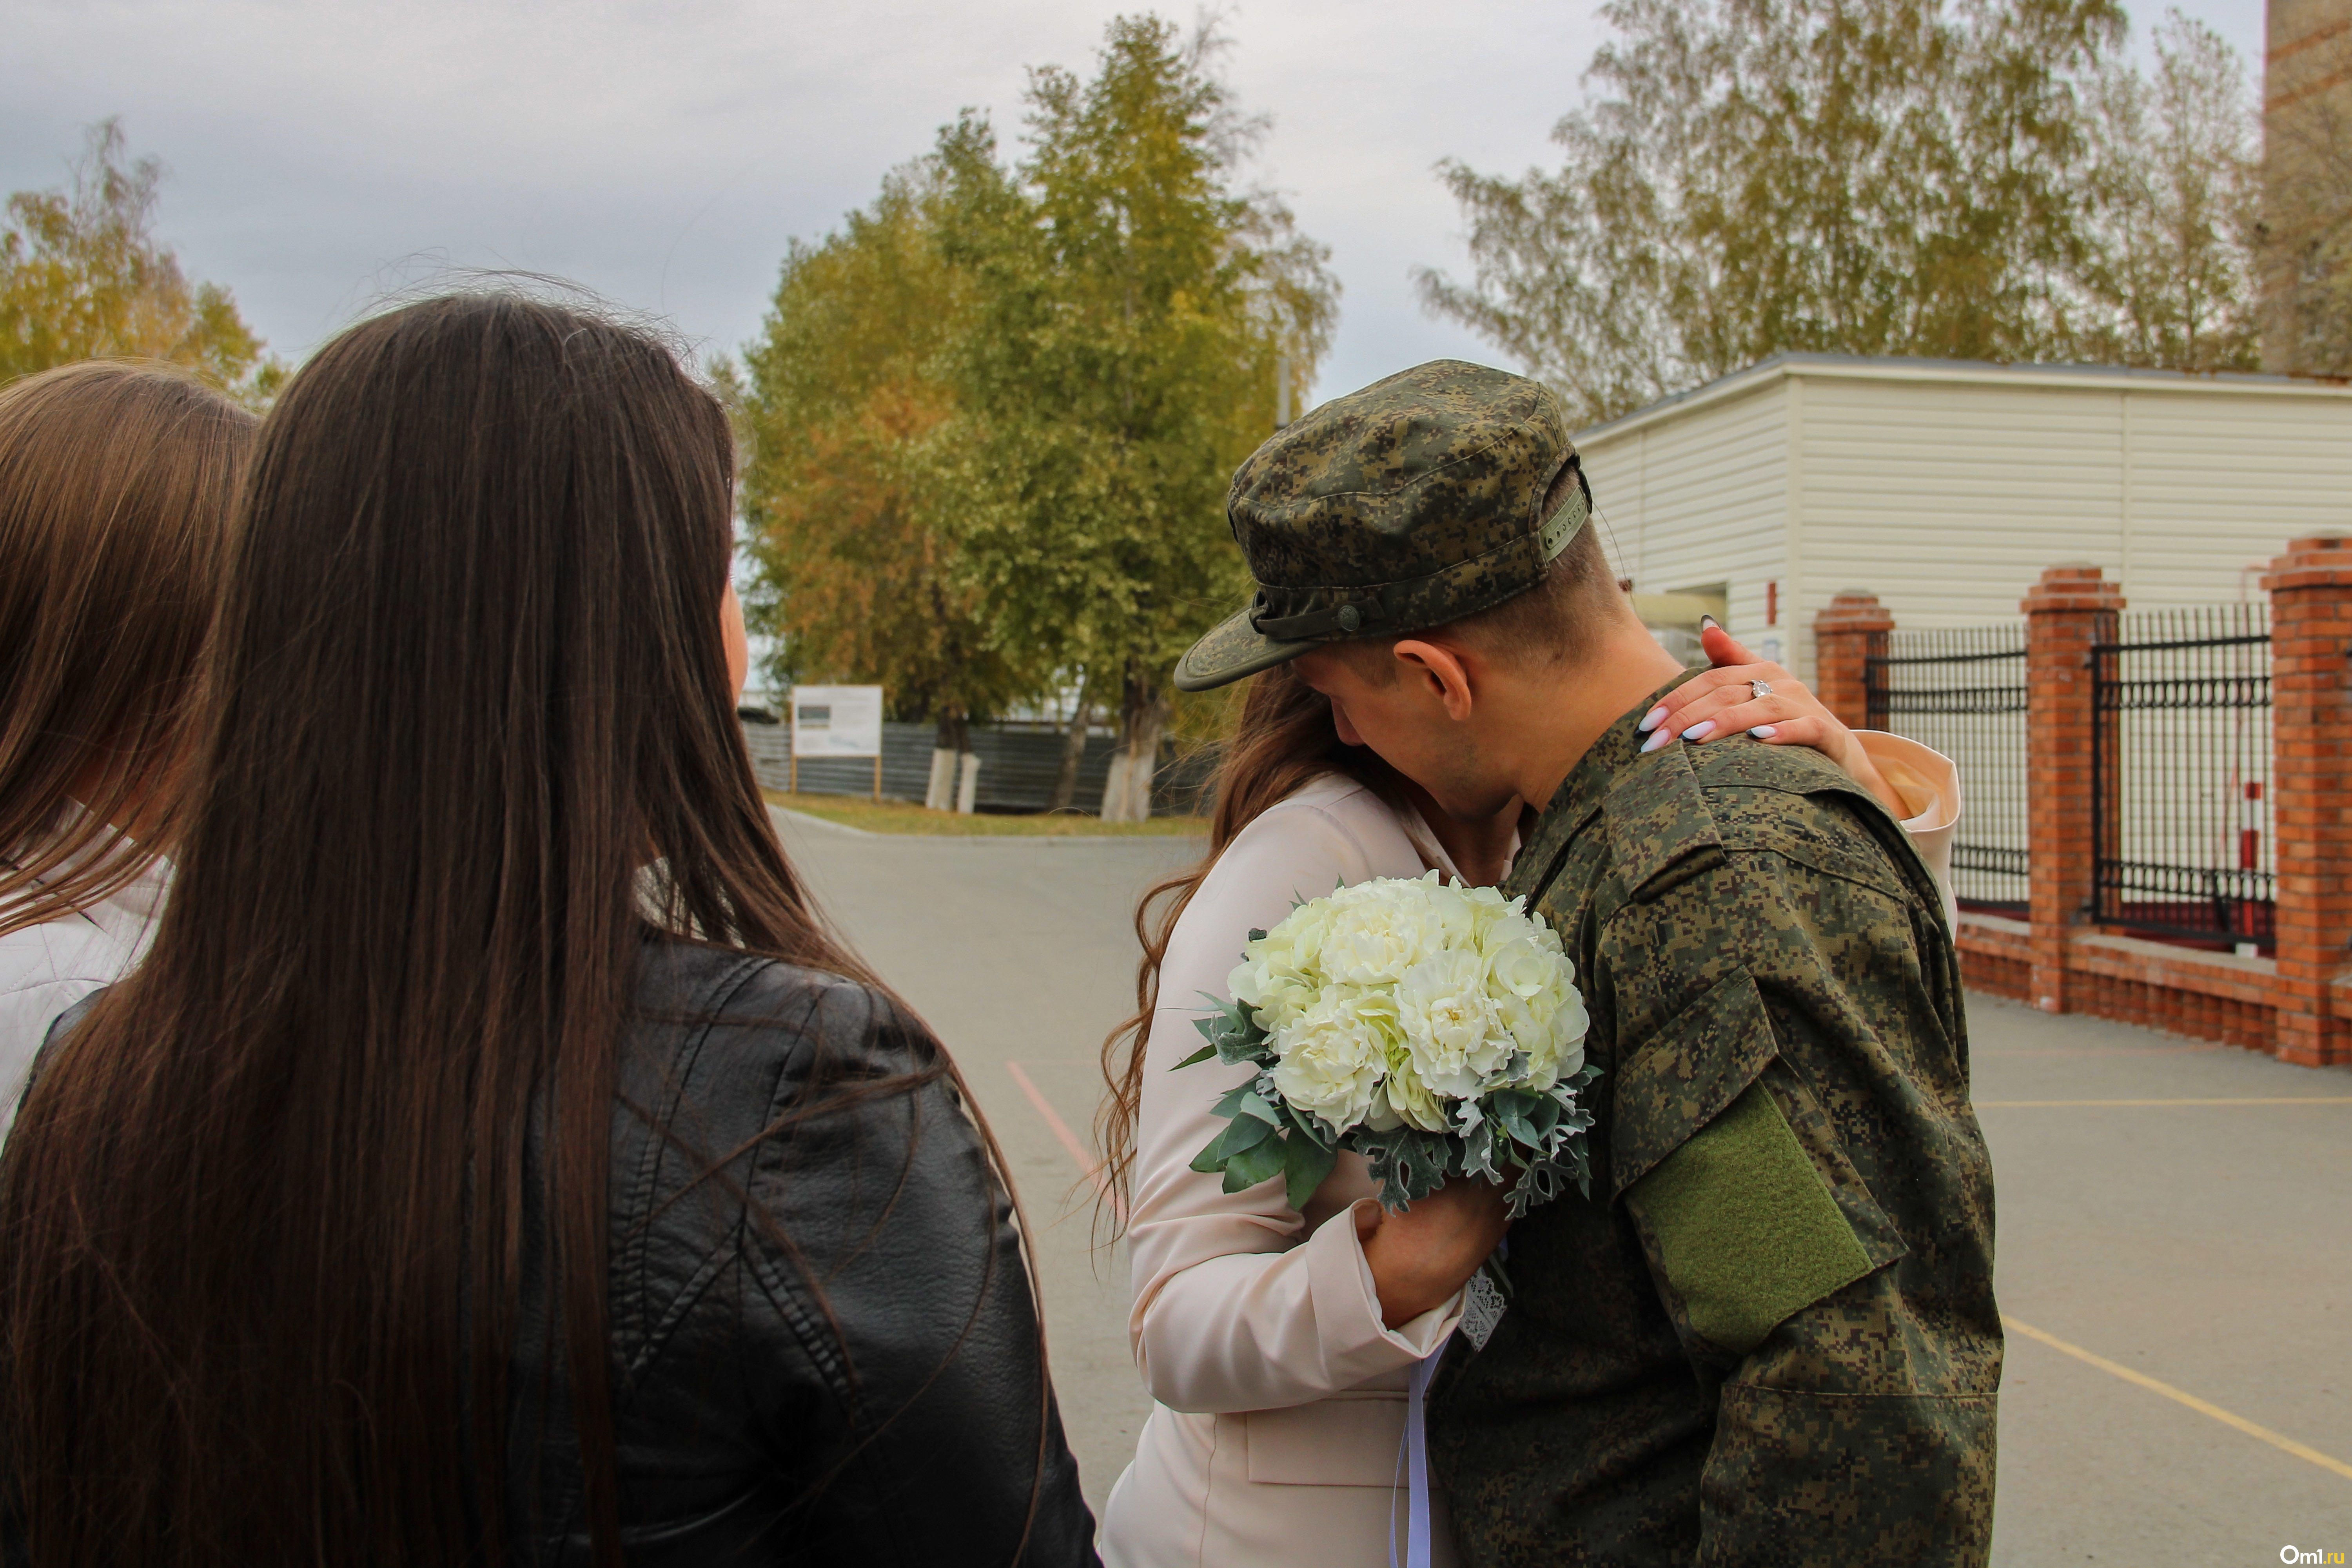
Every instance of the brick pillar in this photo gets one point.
(1845, 634)
(2311, 796)
(2068, 610)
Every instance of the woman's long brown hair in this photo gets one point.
(260, 1219)
(1282, 740)
(116, 479)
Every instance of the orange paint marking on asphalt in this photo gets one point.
(1084, 1157)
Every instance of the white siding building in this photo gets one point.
(1945, 488)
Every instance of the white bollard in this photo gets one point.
(968, 788)
(1114, 799)
(941, 795)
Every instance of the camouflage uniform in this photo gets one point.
(1769, 1337)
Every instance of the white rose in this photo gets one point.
(1451, 1026)
(1402, 1099)
(1490, 914)
(1531, 990)
(1333, 1054)
(1279, 975)
(1376, 930)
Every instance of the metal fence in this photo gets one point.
(2181, 760)
(1018, 767)
(1962, 692)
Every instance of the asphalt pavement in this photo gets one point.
(2175, 1244)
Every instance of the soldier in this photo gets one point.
(1768, 1336)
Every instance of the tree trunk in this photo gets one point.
(1074, 753)
(948, 746)
(1142, 724)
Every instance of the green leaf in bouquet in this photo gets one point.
(1232, 1031)
(1260, 1162)
(1304, 1163)
(1408, 1163)
(1242, 1134)
(1515, 1111)
(1478, 1153)
(1243, 1099)
(1204, 1053)
(1246, 1132)
(1304, 1124)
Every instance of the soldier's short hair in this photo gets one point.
(1549, 623)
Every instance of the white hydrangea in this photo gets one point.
(1281, 972)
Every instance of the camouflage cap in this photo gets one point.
(1410, 503)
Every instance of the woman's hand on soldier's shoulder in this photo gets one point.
(1723, 701)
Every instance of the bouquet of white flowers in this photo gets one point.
(1435, 1030)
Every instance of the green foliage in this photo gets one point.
(2174, 181)
(852, 533)
(82, 276)
(991, 422)
(1974, 180)
(1130, 307)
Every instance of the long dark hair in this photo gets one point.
(1282, 740)
(116, 483)
(470, 734)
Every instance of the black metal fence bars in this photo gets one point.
(2180, 757)
(1962, 692)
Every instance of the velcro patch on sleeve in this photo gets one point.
(1744, 1226)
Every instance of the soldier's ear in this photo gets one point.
(1438, 673)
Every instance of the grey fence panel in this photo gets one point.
(2181, 760)
(1961, 690)
(1018, 768)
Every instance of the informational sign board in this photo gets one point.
(836, 721)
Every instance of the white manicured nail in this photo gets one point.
(1700, 730)
(1650, 719)
(1660, 739)
(1764, 732)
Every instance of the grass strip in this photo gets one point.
(899, 817)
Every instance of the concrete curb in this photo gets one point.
(801, 819)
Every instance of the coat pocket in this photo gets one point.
(1351, 1439)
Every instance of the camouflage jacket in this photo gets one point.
(1769, 1336)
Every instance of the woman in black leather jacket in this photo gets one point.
(496, 1160)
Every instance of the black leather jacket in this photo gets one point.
(825, 1353)
(828, 1352)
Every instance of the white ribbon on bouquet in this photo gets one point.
(1482, 1308)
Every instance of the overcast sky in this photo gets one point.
(324, 152)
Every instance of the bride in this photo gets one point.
(1277, 1345)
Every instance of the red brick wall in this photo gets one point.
(2068, 610)
(1845, 634)
(2311, 633)
(2297, 1005)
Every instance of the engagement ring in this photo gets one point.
(1760, 688)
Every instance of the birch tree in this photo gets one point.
(83, 276)
(1983, 180)
(1133, 300)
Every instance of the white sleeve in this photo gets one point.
(1929, 784)
(1231, 1310)
(26, 1015)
